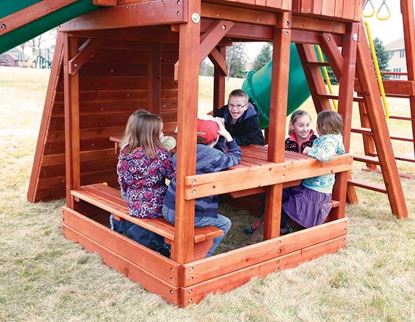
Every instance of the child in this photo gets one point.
(300, 133)
(142, 168)
(300, 136)
(241, 119)
(309, 204)
(208, 159)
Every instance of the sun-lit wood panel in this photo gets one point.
(332, 9)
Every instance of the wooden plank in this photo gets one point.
(223, 283)
(85, 52)
(46, 115)
(219, 61)
(197, 186)
(316, 24)
(31, 13)
(133, 272)
(334, 57)
(219, 81)
(399, 87)
(188, 75)
(141, 256)
(215, 11)
(135, 14)
(235, 260)
(338, 8)
(212, 37)
(328, 8)
(154, 79)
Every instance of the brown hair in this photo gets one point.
(143, 130)
(329, 122)
(238, 93)
(294, 118)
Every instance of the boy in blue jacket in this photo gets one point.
(241, 119)
(208, 159)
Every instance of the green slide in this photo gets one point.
(39, 26)
(258, 87)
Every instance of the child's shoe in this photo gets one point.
(254, 226)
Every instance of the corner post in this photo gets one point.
(278, 115)
(188, 78)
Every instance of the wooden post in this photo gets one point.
(379, 127)
(278, 114)
(72, 137)
(407, 9)
(345, 109)
(219, 84)
(188, 77)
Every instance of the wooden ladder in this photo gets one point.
(373, 120)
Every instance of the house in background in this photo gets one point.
(397, 62)
(10, 58)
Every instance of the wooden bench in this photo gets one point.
(109, 199)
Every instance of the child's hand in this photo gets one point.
(223, 131)
(306, 150)
(220, 120)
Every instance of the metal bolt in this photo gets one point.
(354, 36)
(195, 17)
(178, 13)
(179, 2)
(171, 291)
(193, 191)
(223, 27)
(3, 26)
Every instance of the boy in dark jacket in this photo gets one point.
(241, 119)
(208, 159)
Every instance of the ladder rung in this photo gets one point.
(367, 185)
(397, 138)
(403, 118)
(367, 131)
(318, 63)
(366, 159)
(336, 97)
(404, 159)
(362, 130)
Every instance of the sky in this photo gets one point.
(387, 31)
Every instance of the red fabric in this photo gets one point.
(207, 130)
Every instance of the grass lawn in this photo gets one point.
(44, 277)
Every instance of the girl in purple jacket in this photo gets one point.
(143, 166)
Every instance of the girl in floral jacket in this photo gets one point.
(143, 166)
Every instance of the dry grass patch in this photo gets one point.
(44, 277)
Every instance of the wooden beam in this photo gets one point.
(154, 79)
(276, 132)
(188, 75)
(316, 24)
(132, 15)
(219, 61)
(202, 185)
(29, 14)
(216, 11)
(212, 37)
(219, 78)
(334, 57)
(86, 51)
(72, 137)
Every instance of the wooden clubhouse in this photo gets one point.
(143, 53)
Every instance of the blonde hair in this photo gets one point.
(143, 130)
(294, 118)
(329, 122)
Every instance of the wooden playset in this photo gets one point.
(137, 53)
